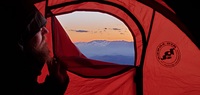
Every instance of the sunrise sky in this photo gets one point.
(82, 26)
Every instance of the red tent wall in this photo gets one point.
(118, 85)
(108, 7)
(95, 72)
(168, 59)
(172, 61)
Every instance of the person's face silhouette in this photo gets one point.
(39, 48)
(39, 40)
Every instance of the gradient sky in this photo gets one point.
(82, 26)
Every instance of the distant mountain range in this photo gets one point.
(121, 52)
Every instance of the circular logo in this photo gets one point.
(168, 54)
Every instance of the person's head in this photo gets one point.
(31, 37)
(37, 46)
(35, 43)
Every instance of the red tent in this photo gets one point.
(167, 58)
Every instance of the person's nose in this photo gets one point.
(45, 30)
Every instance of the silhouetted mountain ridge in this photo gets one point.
(120, 59)
(121, 52)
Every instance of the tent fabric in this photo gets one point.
(171, 61)
(96, 72)
(122, 84)
(76, 62)
(167, 56)
(111, 10)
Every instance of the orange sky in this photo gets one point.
(87, 26)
